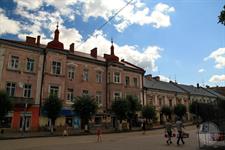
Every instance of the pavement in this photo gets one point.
(152, 139)
(72, 132)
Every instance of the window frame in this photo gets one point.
(56, 67)
(27, 91)
(12, 90)
(116, 77)
(30, 64)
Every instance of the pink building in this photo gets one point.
(30, 71)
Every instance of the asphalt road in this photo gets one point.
(152, 140)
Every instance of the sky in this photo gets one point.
(174, 39)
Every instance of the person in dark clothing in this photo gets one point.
(144, 127)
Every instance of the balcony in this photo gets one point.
(22, 101)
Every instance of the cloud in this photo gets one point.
(135, 13)
(28, 4)
(201, 70)
(164, 78)
(146, 59)
(217, 78)
(219, 57)
(8, 25)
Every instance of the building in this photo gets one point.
(158, 93)
(30, 72)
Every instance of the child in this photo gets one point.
(99, 134)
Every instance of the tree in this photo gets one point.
(149, 113)
(52, 107)
(86, 107)
(5, 105)
(167, 111)
(120, 108)
(180, 110)
(133, 106)
(222, 16)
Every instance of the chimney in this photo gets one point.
(38, 40)
(30, 40)
(157, 78)
(148, 77)
(197, 85)
(72, 47)
(94, 52)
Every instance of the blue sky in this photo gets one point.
(176, 39)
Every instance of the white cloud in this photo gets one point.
(135, 13)
(146, 59)
(8, 25)
(201, 70)
(164, 78)
(219, 57)
(29, 4)
(217, 78)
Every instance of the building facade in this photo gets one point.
(30, 72)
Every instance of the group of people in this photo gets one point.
(169, 131)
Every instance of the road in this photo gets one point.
(152, 140)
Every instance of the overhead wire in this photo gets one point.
(104, 24)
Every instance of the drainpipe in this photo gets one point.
(42, 80)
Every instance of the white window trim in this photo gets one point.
(114, 77)
(120, 93)
(49, 89)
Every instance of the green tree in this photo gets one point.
(166, 111)
(149, 113)
(120, 108)
(52, 107)
(222, 16)
(133, 106)
(86, 107)
(5, 105)
(180, 110)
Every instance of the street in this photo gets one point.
(119, 141)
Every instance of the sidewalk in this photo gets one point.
(74, 132)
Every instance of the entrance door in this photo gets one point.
(25, 122)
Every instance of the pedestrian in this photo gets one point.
(65, 131)
(168, 131)
(180, 127)
(99, 134)
(144, 127)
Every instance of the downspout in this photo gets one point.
(143, 89)
(106, 83)
(42, 80)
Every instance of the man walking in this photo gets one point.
(168, 131)
(179, 126)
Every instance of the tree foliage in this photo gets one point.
(222, 16)
(120, 108)
(167, 111)
(133, 104)
(52, 107)
(180, 110)
(85, 106)
(149, 112)
(5, 105)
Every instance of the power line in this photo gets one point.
(99, 28)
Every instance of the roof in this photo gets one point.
(215, 93)
(194, 90)
(161, 85)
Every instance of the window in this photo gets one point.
(127, 81)
(117, 96)
(98, 76)
(170, 103)
(71, 72)
(99, 98)
(30, 65)
(135, 82)
(54, 90)
(56, 67)
(11, 88)
(70, 94)
(160, 102)
(27, 90)
(85, 92)
(14, 64)
(116, 77)
(85, 74)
